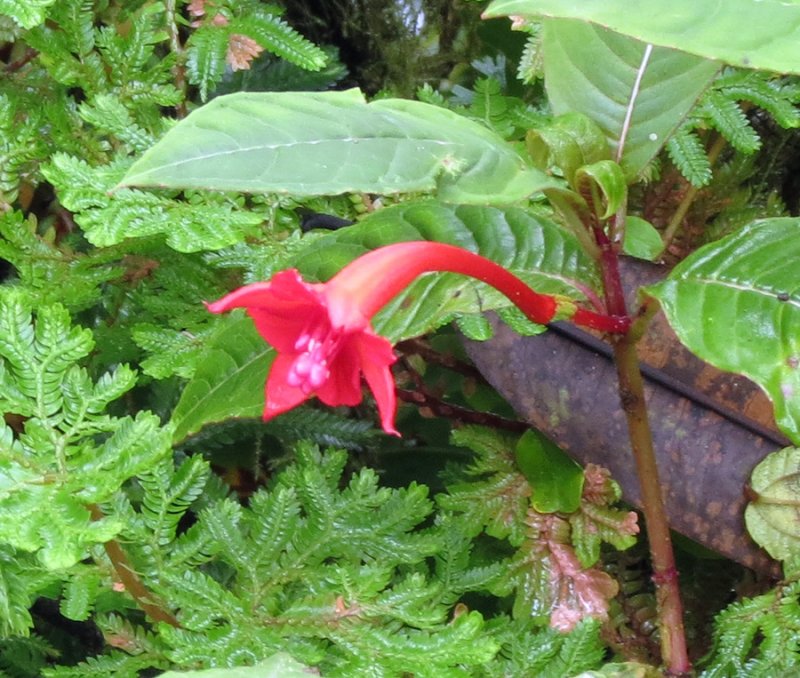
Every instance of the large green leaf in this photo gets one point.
(538, 250)
(736, 304)
(311, 143)
(229, 383)
(594, 71)
(751, 33)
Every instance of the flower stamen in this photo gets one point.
(311, 368)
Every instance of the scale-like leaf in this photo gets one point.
(755, 34)
(229, 382)
(27, 13)
(594, 71)
(736, 304)
(307, 143)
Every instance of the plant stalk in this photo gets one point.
(631, 391)
(133, 585)
(665, 574)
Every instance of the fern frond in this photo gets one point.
(495, 496)
(580, 650)
(110, 219)
(115, 663)
(25, 656)
(764, 90)
(205, 57)
(276, 36)
(20, 146)
(79, 593)
(168, 493)
(757, 634)
(728, 119)
(15, 596)
(531, 64)
(492, 108)
(689, 155)
(27, 13)
(270, 524)
(68, 454)
(45, 273)
(107, 113)
(76, 17)
(322, 427)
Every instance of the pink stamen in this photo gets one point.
(317, 348)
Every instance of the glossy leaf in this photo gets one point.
(592, 70)
(642, 240)
(556, 480)
(311, 143)
(772, 518)
(570, 141)
(761, 34)
(229, 383)
(603, 183)
(736, 304)
(538, 250)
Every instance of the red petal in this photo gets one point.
(376, 357)
(280, 396)
(343, 386)
(281, 308)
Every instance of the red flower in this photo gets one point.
(323, 343)
(322, 332)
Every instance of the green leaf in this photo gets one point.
(280, 665)
(570, 141)
(642, 240)
(594, 71)
(736, 304)
(772, 518)
(229, 382)
(474, 327)
(556, 480)
(306, 144)
(602, 184)
(761, 35)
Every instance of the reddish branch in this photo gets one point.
(631, 391)
(146, 601)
